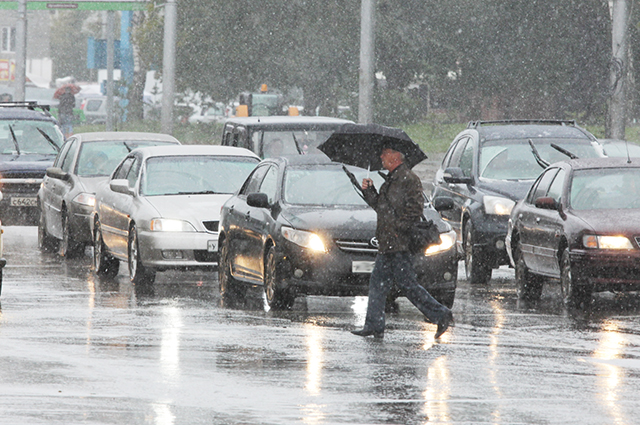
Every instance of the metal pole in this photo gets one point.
(168, 66)
(21, 51)
(617, 105)
(110, 64)
(367, 59)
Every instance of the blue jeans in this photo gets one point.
(397, 267)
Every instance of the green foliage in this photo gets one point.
(395, 107)
(69, 45)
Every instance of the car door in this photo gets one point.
(529, 222)
(240, 227)
(56, 189)
(114, 211)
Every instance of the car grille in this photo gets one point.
(203, 256)
(21, 181)
(211, 226)
(356, 246)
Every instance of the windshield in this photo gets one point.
(101, 158)
(188, 175)
(514, 160)
(609, 188)
(26, 137)
(290, 142)
(324, 185)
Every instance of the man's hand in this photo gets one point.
(366, 184)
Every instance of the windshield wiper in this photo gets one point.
(15, 140)
(296, 142)
(49, 139)
(541, 162)
(201, 192)
(564, 151)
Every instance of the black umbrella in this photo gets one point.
(361, 144)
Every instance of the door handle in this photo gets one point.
(537, 219)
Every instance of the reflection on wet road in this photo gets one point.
(76, 349)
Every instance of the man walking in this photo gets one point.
(398, 205)
(65, 111)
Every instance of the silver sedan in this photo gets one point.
(160, 209)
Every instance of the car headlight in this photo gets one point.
(171, 225)
(497, 205)
(87, 199)
(606, 242)
(447, 240)
(304, 239)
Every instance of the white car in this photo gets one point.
(160, 209)
(3, 262)
(209, 114)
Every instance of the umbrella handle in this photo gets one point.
(353, 179)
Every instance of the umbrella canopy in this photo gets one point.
(361, 145)
(60, 91)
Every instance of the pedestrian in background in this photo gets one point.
(65, 111)
(398, 204)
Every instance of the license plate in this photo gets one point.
(362, 266)
(212, 246)
(24, 202)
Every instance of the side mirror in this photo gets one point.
(546, 203)
(258, 200)
(443, 203)
(57, 173)
(456, 176)
(120, 186)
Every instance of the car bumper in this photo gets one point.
(490, 234)
(338, 274)
(178, 250)
(80, 219)
(606, 270)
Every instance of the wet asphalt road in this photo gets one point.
(74, 350)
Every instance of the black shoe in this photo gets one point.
(368, 332)
(444, 324)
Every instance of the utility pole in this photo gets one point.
(21, 51)
(110, 65)
(367, 61)
(618, 102)
(168, 66)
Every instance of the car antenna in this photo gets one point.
(564, 151)
(541, 162)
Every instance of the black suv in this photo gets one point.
(491, 165)
(30, 138)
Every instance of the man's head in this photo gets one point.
(391, 158)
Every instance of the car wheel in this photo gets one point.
(278, 298)
(68, 247)
(0, 281)
(232, 291)
(477, 271)
(138, 273)
(103, 263)
(574, 293)
(529, 285)
(45, 241)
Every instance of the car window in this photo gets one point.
(457, 152)
(609, 188)
(101, 158)
(68, 160)
(123, 170)
(253, 183)
(132, 175)
(269, 184)
(447, 156)
(543, 184)
(555, 190)
(29, 137)
(63, 153)
(466, 159)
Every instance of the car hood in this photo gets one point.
(26, 162)
(195, 208)
(352, 222)
(621, 221)
(512, 189)
(90, 184)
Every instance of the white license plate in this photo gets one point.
(212, 246)
(24, 202)
(362, 266)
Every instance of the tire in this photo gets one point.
(278, 298)
(68, 247)
(46, 243)
(528, 284)
(0, 281)
(232, 291)
(103, 263)
(478, 273)
(138, 273)
(574, 293)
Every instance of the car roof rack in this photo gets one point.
(476, 124)
(30, 104)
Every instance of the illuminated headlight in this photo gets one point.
(606, 242)
(304, 239)
(447, 240)
(87, 199)
(497, 205)
(171, 225)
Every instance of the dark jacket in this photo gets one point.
(399, 204)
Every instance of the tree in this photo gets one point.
(68, 57)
